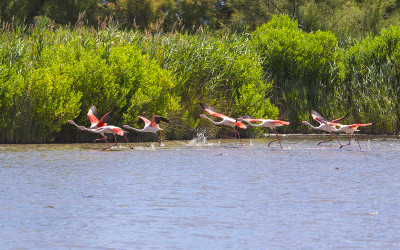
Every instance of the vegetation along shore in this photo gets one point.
(51, 73)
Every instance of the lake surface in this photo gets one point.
(201, 194)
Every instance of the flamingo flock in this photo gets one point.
(100, 126)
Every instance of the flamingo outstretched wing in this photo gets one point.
(212, 111)
(280, 122)
(92, 113)
(143, 120)
(319, 118)
(250, 119)
(340, 118)
(360, 125)
(157, 119)
(119, 131)
(218, 114)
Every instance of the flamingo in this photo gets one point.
(225, 120)
(104, 138)
(324, 126)
(349, 130)
(266, 123)
(94, 122)
(107, 129)
(150, 126)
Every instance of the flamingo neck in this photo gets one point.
(310, 125)
(216, 123)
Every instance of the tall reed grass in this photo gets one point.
(50, 74)
(315, 71)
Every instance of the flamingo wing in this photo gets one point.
(250, 119)
(118, 131)
(280, 122)
(212, 111)
(333, 124)
(143, 120)
(317, 117)
(360, 125)
(157, 119)
(240, 124)
(105, 117)
(340, 118)
(92, 113)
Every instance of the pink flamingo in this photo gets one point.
(349, 130)
(107, 129)
(94, 122)
(324, 126)
(225, 120)
(150, 126)
(266, 123)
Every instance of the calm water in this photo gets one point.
(201, 195)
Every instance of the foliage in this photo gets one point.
(342, 17)
(299, 64)
(222, 71)
(68, 72)
(310, 70)
(51, 73)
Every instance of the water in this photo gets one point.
(201, 194)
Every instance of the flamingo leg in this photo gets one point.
(337, 138)
(330, 139)
(128, 142)
(326, 140)
(357, 142)
(235, 132)
(158, 137)
(347, 143)
(116, 142)
(277, 138)
(101, 139)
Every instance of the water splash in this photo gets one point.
(199, 140)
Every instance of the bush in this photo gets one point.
(298, 63)
(221, 70)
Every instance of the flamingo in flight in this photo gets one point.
(94, 122)
(266, 123)
(150, 126)
(324, 125)
(107, 129)
(225, 120)
(349, 130)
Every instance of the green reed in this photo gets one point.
(315, 71)
(51, 73)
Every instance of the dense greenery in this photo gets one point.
(343, 17)
(311, 70)
(50, 73)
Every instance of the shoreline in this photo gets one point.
(266, 136)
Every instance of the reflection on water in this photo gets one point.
(201, 194)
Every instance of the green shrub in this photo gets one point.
(221, 70)
(299, 64)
